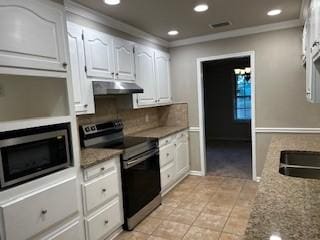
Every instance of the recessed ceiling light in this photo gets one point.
(201, 7)
(173, 33)
(112, 2)
(274, 12)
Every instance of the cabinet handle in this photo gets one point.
(316, 43)
(106, 222)
(64, 65)
(44, 211)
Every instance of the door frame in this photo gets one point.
(250, 54)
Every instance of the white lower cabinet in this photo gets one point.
(71, 231)
(102, 198)
(174, 159)
(31, 215)
(105, 221)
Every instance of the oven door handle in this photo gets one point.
(139, 159)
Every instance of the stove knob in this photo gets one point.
(87, 129)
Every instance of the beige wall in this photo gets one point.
(280, 80)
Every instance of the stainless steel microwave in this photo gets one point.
(31, 153)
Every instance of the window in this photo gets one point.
(242, 105)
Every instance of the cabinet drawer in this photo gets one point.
(105, 222)
(167, 175)
(165, 141)
(100, 190)
(166, 154)
(182, 136)
(71, 231)
(39, 211)
(100, 169)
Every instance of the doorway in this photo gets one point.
(226, 95)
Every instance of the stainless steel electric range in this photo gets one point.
(140, 170)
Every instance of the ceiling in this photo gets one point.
(157, 17)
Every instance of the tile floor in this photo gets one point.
(200, 208)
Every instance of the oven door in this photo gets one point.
(26, 157)
(141, 181)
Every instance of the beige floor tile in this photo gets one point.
(196, 233)
(236, 225)
(224, 198)
(193, 205)
(156, 238)
(228, 236)
(218, 209)
(162, 212)
(206, 188)
(148, 225)
(132, 236)
(241, 212)
(214, 222)
(170, 202)
(183, 216)
(178, 195)
(193, 179)
(171, 230)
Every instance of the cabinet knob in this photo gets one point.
(86, 105)
(316, 43)
(104, 190)
(106, 222)
(64, 64)
(175, 144)
(117, 74)
(112, 73)
(102, 169)
(44, 211)
(168, 175)
(168, 154)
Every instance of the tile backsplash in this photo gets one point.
(136, 120)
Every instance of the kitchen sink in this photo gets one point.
(311, 173)
(300, 158)
(301, 164)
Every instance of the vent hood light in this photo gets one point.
(173, 33)
(274, 12)
(201, 8)
(112, 2)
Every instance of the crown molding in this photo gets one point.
(238, 33)
(98, 17)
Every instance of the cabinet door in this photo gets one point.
(146, 78)
(124, 59)
(33, 35)
(162, 64)
(315, 26)
(182, 154)
(82, 87)
(99, 54)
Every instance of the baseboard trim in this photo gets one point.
(195, 173)
(194, 129)
(288, 130)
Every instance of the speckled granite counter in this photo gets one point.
(286, 207)
(93, 156)
(159, 132)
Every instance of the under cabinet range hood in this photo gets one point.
(113, 88)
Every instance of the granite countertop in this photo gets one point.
(160, 132)
(94, 156)
(286, 207)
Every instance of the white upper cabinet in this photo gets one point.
(99, 54)
(315, 27)
(35, 35)
(162, 67)
(146, 78)
(124, 59)
(82, 87)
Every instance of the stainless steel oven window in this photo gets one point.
(29, 139)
